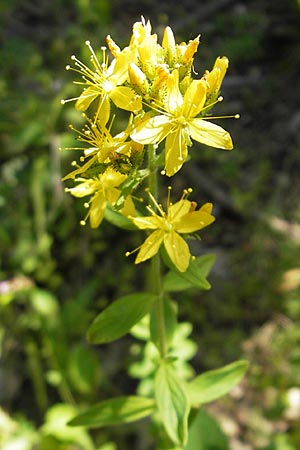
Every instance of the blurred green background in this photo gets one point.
(56, 275)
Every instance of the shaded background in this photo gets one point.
(55, 275)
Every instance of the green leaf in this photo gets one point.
(83, 368)
(194, 276)
(215, 383)
(117, 319)
(205, 434)
(173, 404)
(118, 220)
(115, 411)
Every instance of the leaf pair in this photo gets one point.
(173, 400)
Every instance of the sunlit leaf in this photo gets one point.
(117, 319)
(115, 411)
(215, 383)
(194, 276)
(173, 404)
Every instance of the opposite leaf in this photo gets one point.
(215, 383)
(194, 276)
(117, 319)
(115, 411)
(173, 404)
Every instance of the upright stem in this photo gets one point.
(155, 261)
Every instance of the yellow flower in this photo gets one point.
(104, 81)
(103, 190)
(179, 122)
(103, 148)
(181, 217)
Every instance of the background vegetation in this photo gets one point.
(55, 275)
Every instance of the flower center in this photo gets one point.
(181, 120)
(167, 225)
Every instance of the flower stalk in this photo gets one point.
(156, 276)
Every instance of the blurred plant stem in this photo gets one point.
(36, 373)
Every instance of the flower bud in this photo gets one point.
(138, 79)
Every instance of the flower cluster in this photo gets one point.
(154, 84)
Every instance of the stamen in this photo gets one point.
(94, 60)
(233, 116)
(133, 251)
(169, 195)
(158, 206)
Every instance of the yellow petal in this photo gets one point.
(87, 97)
(176, 152)
(207, 207)
(147, 52)
(148, 222)
(174, 99)
(118, 70)
(150, 247)
(178, 250)
(193, 221)
(194, 98)
(128, 208)
(81, 169)
(138, 79)
(140, 31)
(111, 178)
(103, 112)
(125, 98)
(112, 194)
(113, 47)
(210, 134)
(97, 210)
(152, 130)
(168, 41)
(190, 50)
(83, 189)
(215, 77)
(178, 209)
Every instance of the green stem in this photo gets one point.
(156, 278)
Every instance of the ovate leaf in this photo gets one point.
(173, 404)
(115, 411)
(215, 383)
(117, 319)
